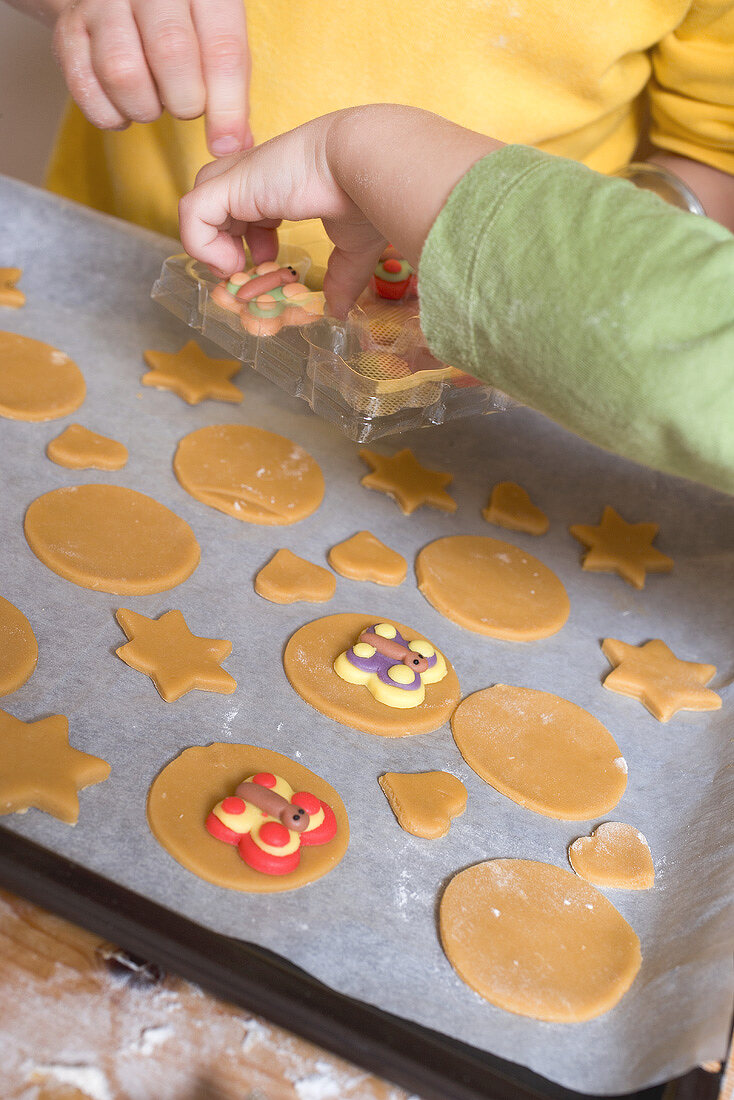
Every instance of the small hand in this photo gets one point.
(126, 60)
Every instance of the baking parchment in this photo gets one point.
(369, 928)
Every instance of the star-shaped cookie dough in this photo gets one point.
(38, 767)
(9, 293)
(626, 549)
(654, 675)
(193, 374)
(175, 659)
(410, 485)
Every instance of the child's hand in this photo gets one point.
(371, 174)
(126, 60)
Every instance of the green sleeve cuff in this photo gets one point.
(592, 301)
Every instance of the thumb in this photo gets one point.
(347, 274)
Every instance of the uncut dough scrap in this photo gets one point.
(37, 381)
(111, 539)
(184, 793)
(538, 941)
(308, 662)
(249, 473)
(492, 587)
(18, 648)
(615, 855)
(540, 750)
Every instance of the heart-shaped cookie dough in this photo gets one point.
(510, 506)
(614, 855)
(425, 802)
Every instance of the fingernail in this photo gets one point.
(224, 145)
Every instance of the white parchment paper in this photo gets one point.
(369, 928)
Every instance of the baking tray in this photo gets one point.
(101, 313)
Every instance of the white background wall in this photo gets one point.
(32, 95)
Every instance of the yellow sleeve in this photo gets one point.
(692, 89)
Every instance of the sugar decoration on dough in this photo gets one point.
(267, 298)
(410, 485)
(615, 546)
(510, 506)
(394, 670)
(176, 660)
(652, 674)
(193, 375)
(41, 769)
(10, 295)
(394, 278)
(269, 823)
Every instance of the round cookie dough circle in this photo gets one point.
(37, 381)
(308, 662)
(111, 539)
(18, 648)
(538, 941)
(249, 473)
(184, 793)
(492, 587)
(540, 750)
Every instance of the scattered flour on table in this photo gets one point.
(151, 1038)
(87, 1079)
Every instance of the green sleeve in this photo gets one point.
(592, 301)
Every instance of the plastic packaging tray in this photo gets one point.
(373, 374)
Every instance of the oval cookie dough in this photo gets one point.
(542, 751)
(538, 941)
(184, 793)
(37, 381)
(111, 539)
(18, 648)
(249, 473)
(308, 661)
(492, 587)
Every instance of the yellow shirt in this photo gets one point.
(566, 77)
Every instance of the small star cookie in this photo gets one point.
(654, 675)
(510, 506)
(175, 659)
(38, 767)
(410, 485)
(626, 549)
(9, 294)
(289, 579)
(364, 558)
(193, 374)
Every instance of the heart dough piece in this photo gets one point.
(511, 507)
(614, 855)
(37, 381)
(111, 539)
(538, 941)
(424, 803)
(542, 751)
(364, 558)
(289, 579)
(185, 792)
(309, 665)
(79, 449)
(492, 587)
(18, 648)
(251, 474)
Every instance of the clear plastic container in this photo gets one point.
(372, 374)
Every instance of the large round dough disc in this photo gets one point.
(308, 661)
(111, 539)
(18, 648)
(542, 751)
(249, 473)
(37, 381)
(536, 940)
(492, 587)
(186, 791)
